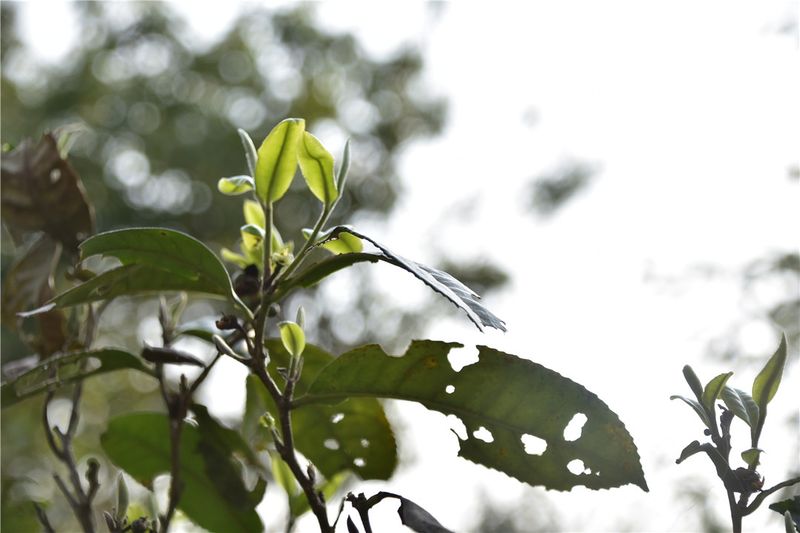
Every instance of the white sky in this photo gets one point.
(691, 111)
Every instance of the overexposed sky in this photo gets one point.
(689, 110)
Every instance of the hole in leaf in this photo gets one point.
(533, 444)
(449, 389)
(331, 444)
(359, 462)
(364, 443)
(577, 467)
(55, 175)
(461, 357)
(337, 418)
(483, 434)
(458, 427)
(92, 364)
(575, 427)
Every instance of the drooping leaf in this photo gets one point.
(351, 436)
(344, 243)
(459, 294)
(713, 389)
(694, 404)
(42, 192)
(691, 449)
(213, 497)
(742, 405)
(769, 379)
(316, 164)
(67, 368)
(508, 397)
(413, 516)
(249, 151)
(321, 270)
(235, 185)
(28, 283)
(277, 160)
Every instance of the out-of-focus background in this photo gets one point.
(620, 182)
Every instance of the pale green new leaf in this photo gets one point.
(752, 456)
(254, 214)
(249, 151)
(316, 163)
(694, 382)
(767, 381)
(713, 389)
(277, 160)
(235, 185)
(293, 338)
(510, 397)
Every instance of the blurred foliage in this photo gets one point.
(554, 189)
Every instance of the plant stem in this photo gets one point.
(301, 255)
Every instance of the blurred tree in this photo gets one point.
(156, 118)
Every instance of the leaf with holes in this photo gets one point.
(503, 398)
(68, 368)
(42, 192)
(214, 496)
(353, 435)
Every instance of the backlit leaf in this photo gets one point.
(254, 214)
(293, 338)
(713, 389)
(277, 160)
(769, 379)
(694, 404)
(235, 185)
(503, 397)
(249, 151)
(316, 164)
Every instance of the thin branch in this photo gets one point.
(43, 520)
(765, 493)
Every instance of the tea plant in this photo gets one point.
(752, 410)
(312, 421)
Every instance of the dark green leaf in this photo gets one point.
(169, 250)
(67, 368)
(742, 405)
(214, 496)
(319, 271)
(351, 436)
(277, 160)
(169, 356)
(417, 518)
(42, 192)
(694, 405)
(713, 390)
(694, 382)
(511, 398)
(691, 449)
(316, 163)
(790, 506)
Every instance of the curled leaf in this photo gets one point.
(235, 185)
